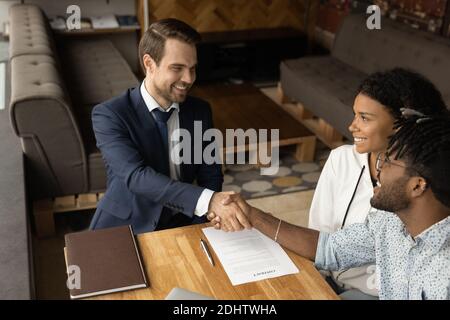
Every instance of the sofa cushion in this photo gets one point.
(328, 85)
(36, 76)
(394, 45)
(41, 115)
(96, 166)
(325, 86)
(29, 31)
(96, 71)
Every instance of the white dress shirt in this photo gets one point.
(173, 124)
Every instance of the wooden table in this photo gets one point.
(173, 258)
(246, 107)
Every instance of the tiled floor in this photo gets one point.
(292, 176)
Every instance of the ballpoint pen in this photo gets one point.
(206, 250)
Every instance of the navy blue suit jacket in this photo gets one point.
(138, 182)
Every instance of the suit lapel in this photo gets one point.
(186, 118)
(150, 137)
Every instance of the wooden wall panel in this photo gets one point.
(226, 15)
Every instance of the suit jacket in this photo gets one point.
(138, 182)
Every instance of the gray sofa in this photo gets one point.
(326, 85)
(54, 85)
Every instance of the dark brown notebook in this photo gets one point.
(108, 261)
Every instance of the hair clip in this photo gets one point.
(407, 112)
(420, 120)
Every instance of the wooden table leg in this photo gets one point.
(306, 149)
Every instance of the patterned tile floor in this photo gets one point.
(292, 176)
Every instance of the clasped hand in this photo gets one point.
(228, 211)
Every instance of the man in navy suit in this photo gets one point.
(135, 134)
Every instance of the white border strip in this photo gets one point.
(2, 85)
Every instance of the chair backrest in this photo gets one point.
(40, 109)
(394, 45)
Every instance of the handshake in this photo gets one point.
(228, 211)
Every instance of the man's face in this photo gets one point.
(171, 80)
(391, 193)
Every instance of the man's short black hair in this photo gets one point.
(400, 88)
(423, 142)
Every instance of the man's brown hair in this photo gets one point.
(154, 39)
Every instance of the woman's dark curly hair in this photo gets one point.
(400, 88)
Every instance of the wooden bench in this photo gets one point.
(43, 210)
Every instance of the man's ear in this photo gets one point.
(419, 186)
(149, 64)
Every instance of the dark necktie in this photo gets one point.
(161, 121)
(161, 118)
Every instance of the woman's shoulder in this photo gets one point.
(345, 153)
(345, 160)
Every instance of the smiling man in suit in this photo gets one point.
(134, 131)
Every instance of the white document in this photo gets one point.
(249, 255)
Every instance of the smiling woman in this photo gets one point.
(346, 185)
(371, 126)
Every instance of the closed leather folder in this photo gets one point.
(105, 261)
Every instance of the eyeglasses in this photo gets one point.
(382, 158)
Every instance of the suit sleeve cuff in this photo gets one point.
(203, 203)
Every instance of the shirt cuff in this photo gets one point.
(203, 203)
(320, 260)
